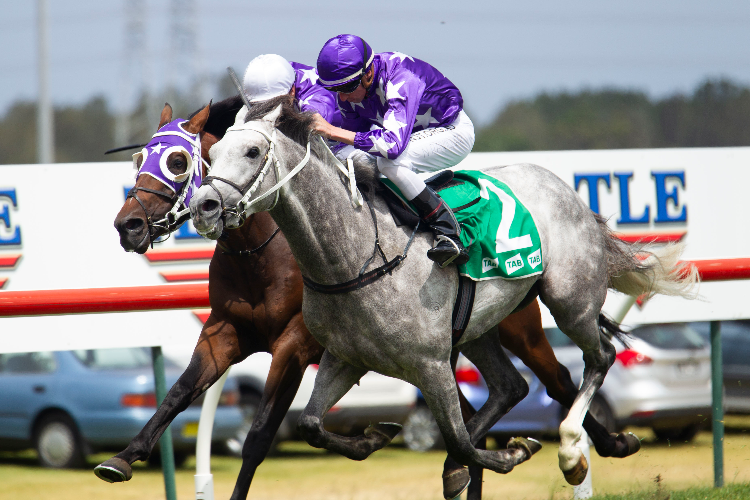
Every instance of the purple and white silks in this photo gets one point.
(407, 95)
(311, 96)
(171, 138)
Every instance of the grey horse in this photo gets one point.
(400, 325)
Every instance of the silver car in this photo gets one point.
(662, 380)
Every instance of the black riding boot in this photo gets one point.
(433, 210)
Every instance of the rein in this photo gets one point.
(242, 207)
(365, 279)
(247, 253)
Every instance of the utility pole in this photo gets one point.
(45, 127)
(185, 57)
(134, 80)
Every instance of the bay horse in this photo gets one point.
(256, 303)
(400, 325)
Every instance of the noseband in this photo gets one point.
(170, 222)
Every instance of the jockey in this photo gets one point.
(270, 75)
(408, 115)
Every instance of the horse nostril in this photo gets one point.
(209, 206)
(132, 225)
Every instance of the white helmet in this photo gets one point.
(268, 76)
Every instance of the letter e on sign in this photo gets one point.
(663, 197)
(10, 234)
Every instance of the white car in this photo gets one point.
(377, 398)
(662, 381)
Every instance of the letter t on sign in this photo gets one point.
(592, 180)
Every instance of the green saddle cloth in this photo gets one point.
(496, 228)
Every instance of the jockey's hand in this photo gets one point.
(321, 126)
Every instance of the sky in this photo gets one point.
(494, 51)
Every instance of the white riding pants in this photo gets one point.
(428, 150)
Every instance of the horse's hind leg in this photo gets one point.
(576, 306)
(217, 348)
(335, 377)
(522, 334)
(294, 350)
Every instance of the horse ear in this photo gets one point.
(273, 115)
(197, 122)
(166, 115)
(239, 119)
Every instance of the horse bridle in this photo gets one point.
(241, 208)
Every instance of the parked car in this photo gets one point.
(735, 349)
(661, 381)
(68, 404)
(376, 398)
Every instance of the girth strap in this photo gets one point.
(463, 306)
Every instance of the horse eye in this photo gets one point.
(177, 164)
(253, 153)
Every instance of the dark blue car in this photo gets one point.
(70, 403)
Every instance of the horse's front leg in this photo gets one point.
(218, 347)
(455, 476)
(335, 377)
(439, 389)
(294, 350)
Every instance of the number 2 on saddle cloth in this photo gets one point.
(496, 227)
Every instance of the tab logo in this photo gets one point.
(514, 264)
(535, 258)
(488, 264)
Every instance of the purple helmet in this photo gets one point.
(342, 62)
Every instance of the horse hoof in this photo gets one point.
(577, 474)
(631, 443)
(529, 445)
(455, 482)
(387, 429)
(114, 470)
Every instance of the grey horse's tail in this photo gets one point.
(644, 269)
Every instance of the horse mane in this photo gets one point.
(221, 116)
(292, 122)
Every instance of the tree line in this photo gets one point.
(717, 113)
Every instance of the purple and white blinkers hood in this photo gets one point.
(172, 138)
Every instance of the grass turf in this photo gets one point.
(685, 471)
